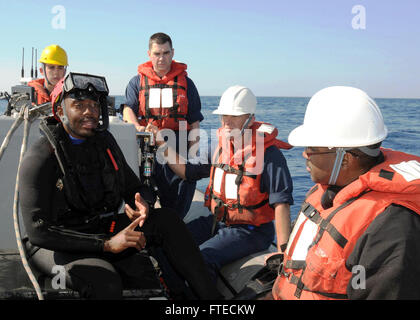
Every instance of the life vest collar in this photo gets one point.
(177, 69)
(41, 92)
(249, 144)
(382, 178)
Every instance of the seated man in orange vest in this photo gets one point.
(53, 67)
(250, 184)
(162, 94)
(358, 233)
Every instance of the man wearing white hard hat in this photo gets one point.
(358, 233)
(250, 185)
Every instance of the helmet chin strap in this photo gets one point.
(64, 118)
(45, 73)
(340, 152)
(246, 123)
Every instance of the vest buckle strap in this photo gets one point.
(295, 264)
(305, 206)
(281, 272)
(309, 211)
(300, 286)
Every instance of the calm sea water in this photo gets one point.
(402, 117)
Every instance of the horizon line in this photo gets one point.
(270, 96)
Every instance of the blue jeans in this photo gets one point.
(174, 192)
(229, 243)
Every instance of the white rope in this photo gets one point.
(9, 134)
(21, 249)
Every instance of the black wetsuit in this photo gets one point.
(77, 244)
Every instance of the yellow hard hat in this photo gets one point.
(54, 54)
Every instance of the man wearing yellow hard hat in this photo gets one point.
(53, 67)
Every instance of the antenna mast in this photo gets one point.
(22, 72)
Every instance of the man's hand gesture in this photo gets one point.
(141, 211)
(126, 238)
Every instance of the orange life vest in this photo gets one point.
(331, 235)
(41, 93)
(233, 194)
(163, 101)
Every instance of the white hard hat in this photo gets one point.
(236, 101)
(340, 117)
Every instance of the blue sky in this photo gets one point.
(275, 47)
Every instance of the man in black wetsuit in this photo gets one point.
(72, 184)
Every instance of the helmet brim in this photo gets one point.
(54, 62)
(228, 113)
(303, 136)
